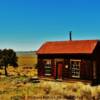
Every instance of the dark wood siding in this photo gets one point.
(85, 68)
(40, 67)
(53, 68)
(66, 71)
(97, 57)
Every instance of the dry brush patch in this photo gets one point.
(20, 88)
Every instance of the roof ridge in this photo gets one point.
(72, 40)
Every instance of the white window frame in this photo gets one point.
(75, 69)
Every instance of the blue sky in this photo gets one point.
(26, 24)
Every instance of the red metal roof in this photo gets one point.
(68, 47)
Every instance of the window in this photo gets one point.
(75, 68)
(47, 67)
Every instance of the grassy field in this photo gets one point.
(28, 59)
(19, 85)
(21, 88)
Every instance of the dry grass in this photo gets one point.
(19, 88)
(27, 60)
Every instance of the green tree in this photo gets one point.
(8, 57)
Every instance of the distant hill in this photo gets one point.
(26, 58)
(26, 53)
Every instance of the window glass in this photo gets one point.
(75, 68)
(47, 67)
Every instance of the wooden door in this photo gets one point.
(59, 70)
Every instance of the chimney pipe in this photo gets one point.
(70, 35)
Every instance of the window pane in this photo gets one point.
(47, 67)
(75, 66)
(48, 70)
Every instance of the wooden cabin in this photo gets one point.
(73, 59)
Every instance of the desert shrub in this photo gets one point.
(56, 89)
(96, 93)
(14, 86)
(46, 86)
(16, 98)
(86, 93)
